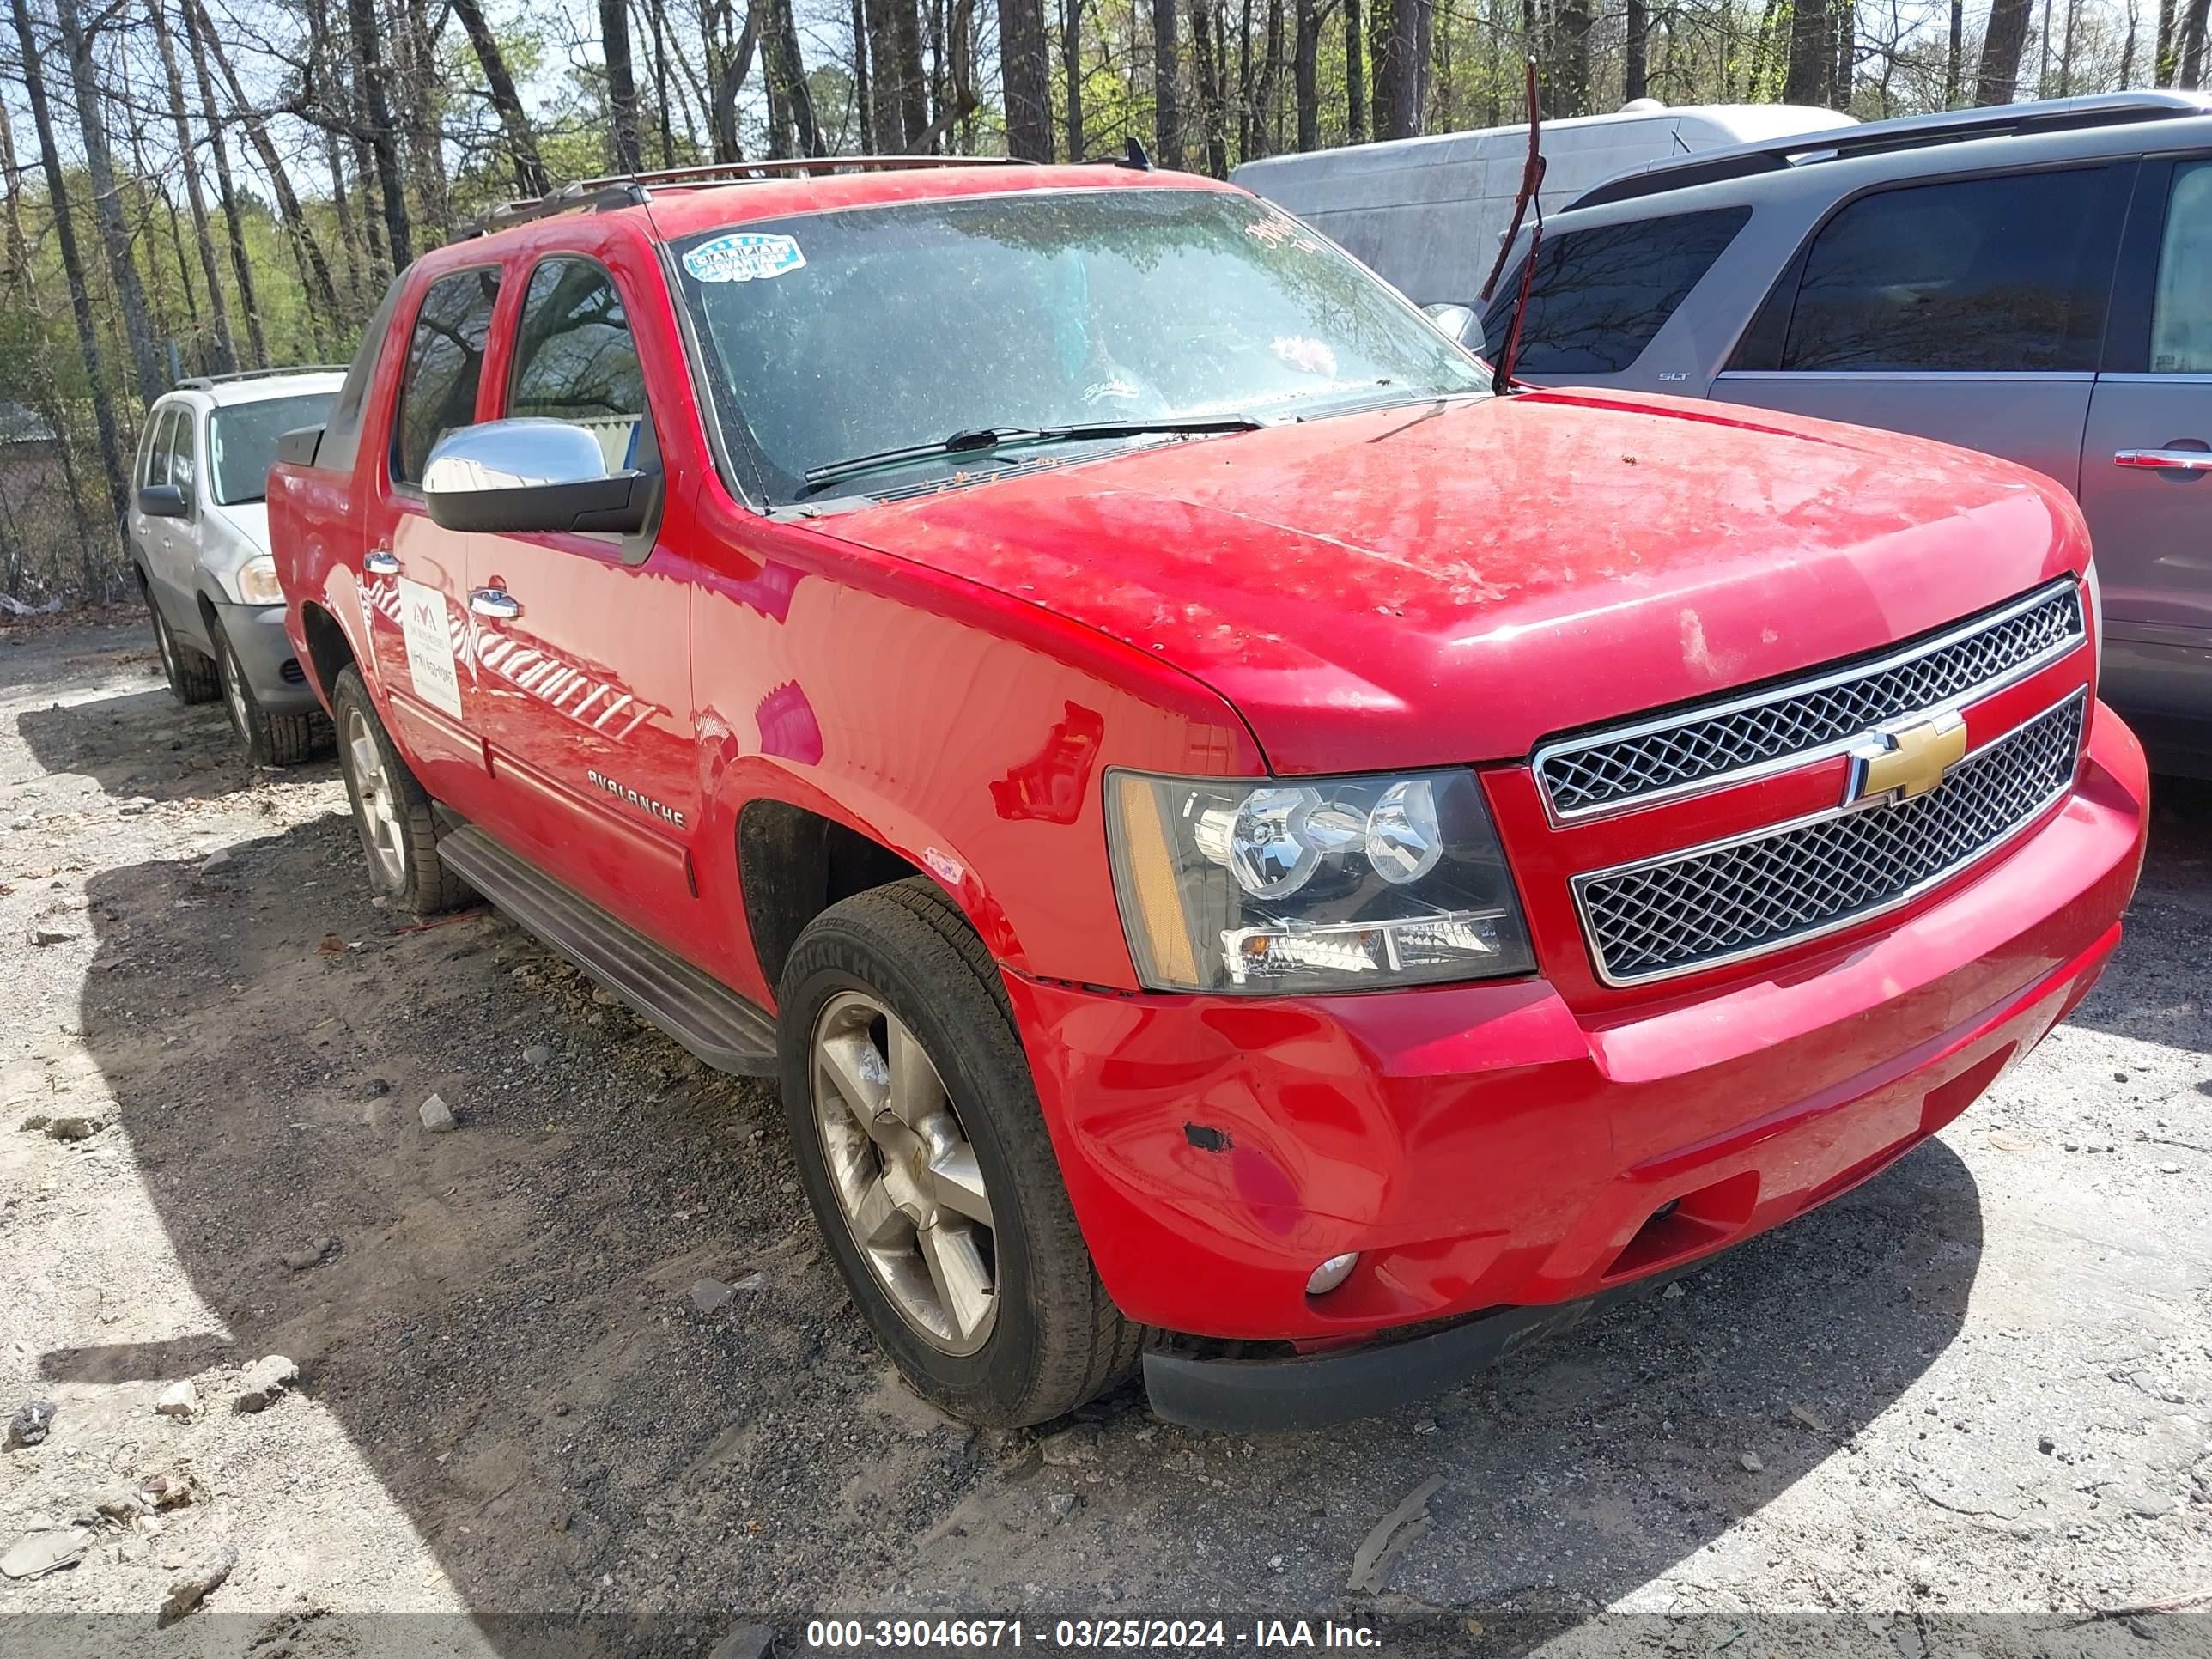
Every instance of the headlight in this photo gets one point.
(1311, 885)
(256, 582)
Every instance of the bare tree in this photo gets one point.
(57, 196)
(1811, 62)
(226, 357)
(622, 85)
(198, 35)
(382, 145)
(1028, 73)
(107, 203)
(1167, 114)
(2006, 39)
(529, 176)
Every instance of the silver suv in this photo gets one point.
(199, 539)
(2035, 282)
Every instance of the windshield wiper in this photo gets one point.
(989, 439)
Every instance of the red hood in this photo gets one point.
(1420, 586)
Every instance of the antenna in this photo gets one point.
(1532, 181)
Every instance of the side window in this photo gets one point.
(153, 467)
(2181, 304)
(184, 451)
(575, 360)
(342, 431)
(1599, 295)
(1979, 275)
(445, 362)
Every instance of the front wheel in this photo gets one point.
(269, 739)
(917, 1133)
(189, 671)
(391, 808)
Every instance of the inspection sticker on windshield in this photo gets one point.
(429, 646)
(743, 256)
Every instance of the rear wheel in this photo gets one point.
(191, 672)
(269, 739)
(391, 808)
(917, 1133)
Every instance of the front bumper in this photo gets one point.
(257, 633)
(1484, 1148)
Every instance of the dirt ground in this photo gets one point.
(1967, 1408)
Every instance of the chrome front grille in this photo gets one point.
(1737, 898)
(1701, 748)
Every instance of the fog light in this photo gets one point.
(1332, 1274)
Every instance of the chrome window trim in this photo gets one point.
(2029, 820)
(1864, 669)
(2069, 376)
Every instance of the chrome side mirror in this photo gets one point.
(1452, 321)
(523, 475)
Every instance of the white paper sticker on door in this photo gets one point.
(429, 646)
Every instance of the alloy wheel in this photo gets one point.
(234, 688)
(374, 801)
(904, 1172)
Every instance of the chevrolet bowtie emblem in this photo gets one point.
(1900, 761)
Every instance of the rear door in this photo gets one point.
(152, 534)
(1969, 310)
(583, 641)
(2152, 523)
(414, 574)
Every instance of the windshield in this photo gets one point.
(242, 442)
(845, 334)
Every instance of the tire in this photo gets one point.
(1052, 1339)
(189, 671)
(399, 836)
(269, 739)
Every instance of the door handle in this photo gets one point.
(494, 602)
(382, 563)
(2167, 460)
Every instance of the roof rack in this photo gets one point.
(621, 190)
(1908, 132)
(204, 382)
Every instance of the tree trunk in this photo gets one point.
(1271, 81)
(226, 356)
(108, 204)
(1167, 114)
(1245, 109)
(1355, 79)
(1844, 14)
(1305, 74)
(2164, 65)
(1811, 62)
(1635, 67)
(530, 175)
(418, 81)
(198, 36)
(382, 144)
(1572, 90)
(2128, 51)
(1070, 64)
(2192, 45)
(1399, 29)
(622, 85)
(790, 73)
(1955, 56)
(656, 13)
(45, 396)
(913, 82)
(88, 337)
(888, 121)
(732, 78)
(2006, 37)
(1028, 73)
(314, 269)
(1206, 72)
(864, 111)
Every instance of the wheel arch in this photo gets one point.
(329, 649)
(797, 852)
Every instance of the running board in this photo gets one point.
(709, 1018)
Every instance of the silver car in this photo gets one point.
(2035, 282)
(199, 541)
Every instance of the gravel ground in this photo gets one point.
(1966, 1407)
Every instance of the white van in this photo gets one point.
(1427, 213)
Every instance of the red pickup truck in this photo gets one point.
(1249, 853)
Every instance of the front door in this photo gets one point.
(2147, 458)
(583, 641)
(414, 574)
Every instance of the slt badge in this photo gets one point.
(1903, 761)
